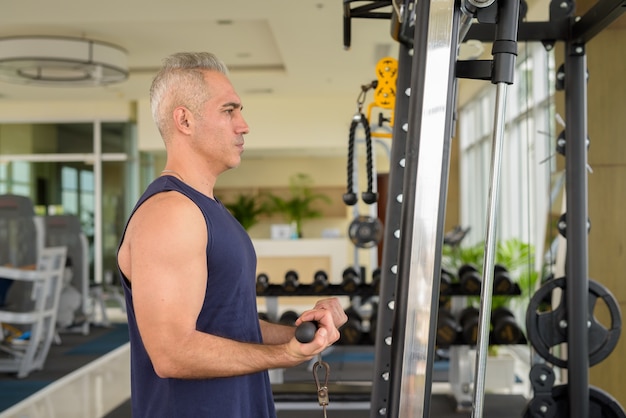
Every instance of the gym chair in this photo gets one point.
(35, 319)
(66, 230)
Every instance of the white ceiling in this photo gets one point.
(277, 47)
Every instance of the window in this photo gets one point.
(83, 169)
(527, 161)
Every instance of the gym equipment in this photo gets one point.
(431, 30)
(351, 280)
(38, 316)
(541, 377)
(446, 280)
(505, 328)
(291, 283)
(542, 404)
(601, 405)
(547, 329)
(74, 304)
(264, 316)
(305, 332)
(469, 279)
(376, 274)
(320, 281)
(502, 282)
(262, 283)
(368, 196)
(365, 231)
(501, 74)
(288, 318)
(562, 225)
(468, 320)
(352, 331)
(447, 329)
(373, 324)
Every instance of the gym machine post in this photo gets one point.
(411, 260)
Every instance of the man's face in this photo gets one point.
(220, 126)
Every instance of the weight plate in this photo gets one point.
(601, 405)
(548, 329)
(365, 231)
(541, 378)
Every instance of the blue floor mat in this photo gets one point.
(13, 391)
(103, 344)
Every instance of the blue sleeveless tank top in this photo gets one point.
(229, 310)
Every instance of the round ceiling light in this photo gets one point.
(60, 61)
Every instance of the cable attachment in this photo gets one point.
(322, 389)
(361, 98)
(368, 196)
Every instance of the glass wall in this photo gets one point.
(84, 169)
(528, 164)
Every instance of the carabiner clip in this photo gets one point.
(361, 98)
(322, 390)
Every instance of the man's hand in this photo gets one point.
(336, 310)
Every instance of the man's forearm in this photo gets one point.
(276, 333)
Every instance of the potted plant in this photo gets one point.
(247, 209)
(515, 255)
(297, 207)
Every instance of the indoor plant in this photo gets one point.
(247, 209)
(298, 205)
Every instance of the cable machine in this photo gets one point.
(429, 33)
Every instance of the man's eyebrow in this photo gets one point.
(234, 105)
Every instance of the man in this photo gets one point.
(188, 268)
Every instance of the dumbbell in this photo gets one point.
(470, 280)
(376, 274)
(445, 284)
(351, 332)
(505, 329)
(320, 281)
(291, 282)
(373, 323)
(447, 328)
(288, 318)
(262, 283)
(351, 280)
(468, 320)
(502, 282)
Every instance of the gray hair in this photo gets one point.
(180, 82)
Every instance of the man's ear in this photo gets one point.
(182, 117)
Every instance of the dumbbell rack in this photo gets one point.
(461, 369)
(273, 291)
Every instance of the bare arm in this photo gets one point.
(277, 333)
(164, 257)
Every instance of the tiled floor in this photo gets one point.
(90, 392)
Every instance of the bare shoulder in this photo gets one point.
(165, 209)
(168, 223)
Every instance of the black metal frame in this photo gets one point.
(561, 27)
